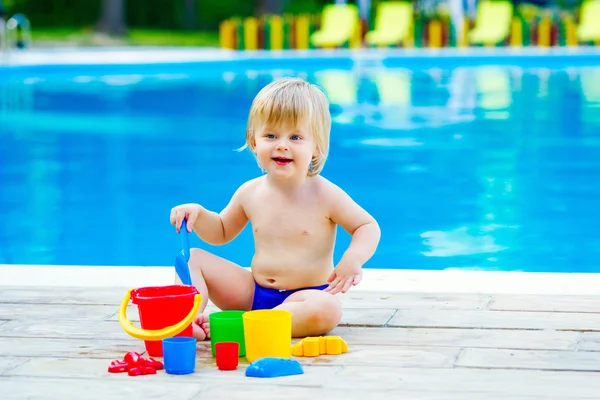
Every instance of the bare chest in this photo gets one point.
(293, 222)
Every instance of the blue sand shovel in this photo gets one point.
(181, 261)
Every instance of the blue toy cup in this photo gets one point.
(179, 355)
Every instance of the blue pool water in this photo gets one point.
(492, 166)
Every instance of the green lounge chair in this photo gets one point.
(340, 86)
(492, 23)
(393, 21)
(393, 87)
(338, 26)
(588, 29)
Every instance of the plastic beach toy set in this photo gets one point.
(263, 337)
(166, 313)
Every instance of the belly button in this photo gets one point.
(271, 280)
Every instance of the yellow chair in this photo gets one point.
(492, 23)
(588, 29)
(393, 87)
(392, 24)
(339, 23)
(589, 79)
(340, 86)
(494, 89)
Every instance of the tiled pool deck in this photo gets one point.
(420, 335)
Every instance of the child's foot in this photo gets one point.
(201, 330)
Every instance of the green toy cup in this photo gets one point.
(227, 326)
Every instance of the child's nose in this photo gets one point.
(282, 145)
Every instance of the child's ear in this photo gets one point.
(316, 153)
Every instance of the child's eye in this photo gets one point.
(296, 137)
(270, 136)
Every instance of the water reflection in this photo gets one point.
(473, 167)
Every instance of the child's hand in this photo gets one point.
(344, 276)
(190, 212)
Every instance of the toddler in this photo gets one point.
(293, 212)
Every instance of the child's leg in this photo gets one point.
(229, 286)
(314, 312)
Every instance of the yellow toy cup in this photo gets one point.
(268, 333)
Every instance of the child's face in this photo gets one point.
(285, 151)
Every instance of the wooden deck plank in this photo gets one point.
(496, 319)
(35, 312)
(261, 392)
(366, 316)
(68, 347)
(529, 359)
(136, 388)
(392, 356)
(486, 338)
(69, 295)
(545, 303)
(467, 383)
(61, 329)
(9, 363)
(590, 341)
(415, 301)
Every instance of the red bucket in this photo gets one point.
(163, 306)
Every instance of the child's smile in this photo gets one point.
(282, 161)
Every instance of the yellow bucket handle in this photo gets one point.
(158, 334)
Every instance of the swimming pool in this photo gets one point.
(468, 161)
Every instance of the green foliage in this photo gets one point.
(134, 37)
(150, 14)
(157, 14)
(303, 6)
(212, 12)
(47, 13)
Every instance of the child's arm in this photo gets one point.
(215, 228)
(365, 234)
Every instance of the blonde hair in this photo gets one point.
(293, 102)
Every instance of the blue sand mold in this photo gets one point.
(270, 367)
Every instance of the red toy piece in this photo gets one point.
(132, 358)
(143, 370)
(118, 366)
(134, 364)
(151, 362)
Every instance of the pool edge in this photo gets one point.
(166, 55)
(374, 280)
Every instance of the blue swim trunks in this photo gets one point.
(267, 298)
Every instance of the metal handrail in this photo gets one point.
(18, 20)
(3, 35)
